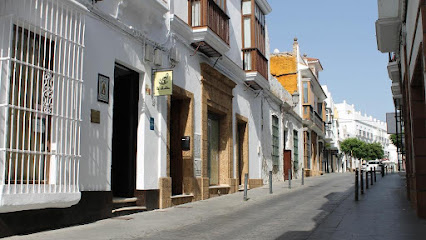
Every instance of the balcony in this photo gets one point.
(210, 27)
(319, 122)
(329, 134)
(313, 120)
(393, 69)
(308, 112)
(256, 68)
(388, 25)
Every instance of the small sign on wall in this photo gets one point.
(163, 83)
(95, 116)
(103, 88)
(151, 123)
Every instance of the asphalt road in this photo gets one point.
(289, 215)
(285, 214)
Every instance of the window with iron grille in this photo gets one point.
(275, 140)
(308, 148)
(295, 148)
(30, 101)
(41, 83)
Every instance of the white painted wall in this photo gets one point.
(246, 103)
(352, 121)
(180, 9)
(118, 46)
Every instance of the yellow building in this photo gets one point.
(299, 76)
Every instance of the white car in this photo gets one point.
(374, 164)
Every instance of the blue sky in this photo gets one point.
(342, 35)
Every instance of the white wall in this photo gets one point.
(246, 103)
(351, 121)
(100, 58)
(180, 9)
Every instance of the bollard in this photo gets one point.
(383, 170)
(366, 179)
(362, 181)
(289, 179)
(356, 185)
(375, 180)
(303, 176)
(245, 186)
(270, 182)
(371, 176)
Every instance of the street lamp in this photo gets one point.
(295, 98)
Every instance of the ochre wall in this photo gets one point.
(284, 68)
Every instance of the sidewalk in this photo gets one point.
(383, 212)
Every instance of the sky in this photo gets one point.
(341, 33)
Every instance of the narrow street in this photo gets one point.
(323, 208)
(287, 213)
(132, 119)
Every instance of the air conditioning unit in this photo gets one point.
(174, 55)
(149, 53)
(158, 57)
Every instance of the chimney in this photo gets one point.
(295, 46)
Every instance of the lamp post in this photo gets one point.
(295, 98)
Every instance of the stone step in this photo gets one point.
(219, 190)
(127, 210)
(124, 206)
(124, 200)
(182, 199)
(241, 188)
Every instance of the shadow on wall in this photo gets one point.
(95, 148)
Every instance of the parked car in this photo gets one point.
(374, 164)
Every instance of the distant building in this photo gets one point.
(354, 124)
(332, 157)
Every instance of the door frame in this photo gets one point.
(241, 120)
(187, 156)
(134, 78)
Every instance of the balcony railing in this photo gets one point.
(329, 133)
(392, 57)
(319, 122)
(206, 13)
(255, 61)
(308, 112)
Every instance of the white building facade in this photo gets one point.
(333, 158)
(354, 124)
(81, 125)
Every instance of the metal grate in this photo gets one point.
(41, 52)
(275, 140)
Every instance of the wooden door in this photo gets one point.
(176, 156)
(287, 163)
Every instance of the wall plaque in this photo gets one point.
(95, 116)
(103, 88)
